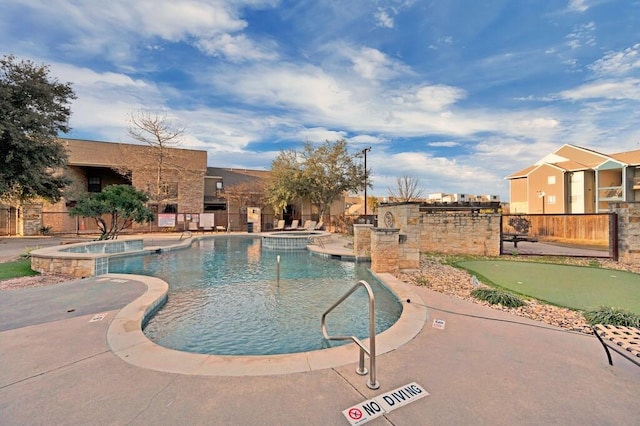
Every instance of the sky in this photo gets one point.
(456, 94)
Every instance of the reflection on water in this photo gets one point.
(224, 298)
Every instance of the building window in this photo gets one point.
(551, 180)
(95, 184)
(170, 208)
(219, 185)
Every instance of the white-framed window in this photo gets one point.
(551, 180)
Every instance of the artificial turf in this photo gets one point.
(575, 287)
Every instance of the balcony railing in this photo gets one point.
(610, 193)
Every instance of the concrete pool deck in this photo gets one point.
(484, 367)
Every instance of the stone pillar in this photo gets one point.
(31, 219)
(628, 231)
(362, 241)
(385, 251)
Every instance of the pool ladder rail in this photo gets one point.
(372, 383)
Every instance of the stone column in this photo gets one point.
(385, 249)
(362, 241)
(628, 231)
(31, 219)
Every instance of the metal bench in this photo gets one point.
(623, 340)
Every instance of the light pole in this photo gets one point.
(364, 152)
(541, 195)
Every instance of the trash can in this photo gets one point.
(250, 227)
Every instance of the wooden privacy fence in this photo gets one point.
(591, 229)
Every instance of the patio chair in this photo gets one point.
(311, 225)
(294, 225)
(279, 226)
(319, 226)
(306, 225)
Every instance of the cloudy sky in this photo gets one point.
(455, 93)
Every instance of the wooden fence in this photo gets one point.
(588, 229)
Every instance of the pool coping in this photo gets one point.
(127, 341)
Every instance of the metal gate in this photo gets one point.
(579, 235)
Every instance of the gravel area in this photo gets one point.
(34, 281)
(438, 276)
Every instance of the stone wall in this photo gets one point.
(454, 233)
(385, 253)
(628, 222)
(362, 241)
(461, 234)
(31, 219)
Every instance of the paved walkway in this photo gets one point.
(485, 367)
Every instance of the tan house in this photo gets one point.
(575, 180)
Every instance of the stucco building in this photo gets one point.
(575, 180)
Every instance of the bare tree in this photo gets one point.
(406, 189)
(162, 164)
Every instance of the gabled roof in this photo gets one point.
(631, 158)
(522, 173)
(572, 166)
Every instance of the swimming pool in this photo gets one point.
(224, 298)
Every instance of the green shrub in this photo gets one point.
(45, 230)
(497, 297)
(422, 280)
(612, 316)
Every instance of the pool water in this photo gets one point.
(225, 299)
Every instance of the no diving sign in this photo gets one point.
(384, 403)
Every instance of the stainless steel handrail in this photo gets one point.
(371, 351)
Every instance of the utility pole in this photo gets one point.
(364, 152)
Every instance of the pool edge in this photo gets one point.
(127, 341)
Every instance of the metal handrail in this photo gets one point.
(371, 351)
(188, 233)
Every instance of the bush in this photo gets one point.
(497, 297)
(612, 316)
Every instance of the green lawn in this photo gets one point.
(18, 268)
(574, 287)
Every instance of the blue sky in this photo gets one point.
(455, 93)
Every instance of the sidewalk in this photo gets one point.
(485, 367)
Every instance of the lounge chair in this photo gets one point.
(319, 226)
(294, 225)
(279, 226)
(306, 225)
(311, 226)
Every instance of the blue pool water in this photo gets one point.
(224, 298)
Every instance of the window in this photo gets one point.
(171, 208)
(219, 184)
(551, 199)
(95, 184)
(551, 180)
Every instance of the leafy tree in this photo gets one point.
(320, 174)
(163, 163)
(406, 189)
(34, 109)
(123, 203)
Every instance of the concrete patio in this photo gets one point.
(485, 367)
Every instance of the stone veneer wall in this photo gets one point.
(445, 233)
(628, 231)
(461, 234)
(362, 241)
(31, 219)
(385, 251)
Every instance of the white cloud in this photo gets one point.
(577, 6)
(372, 64)
(235, 48)
(605, 89)
(383, 19)
(443, 144)
(618, 63)
(582, 35)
